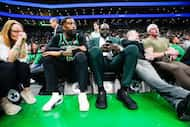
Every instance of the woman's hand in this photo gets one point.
(21, 39)
(22, 36)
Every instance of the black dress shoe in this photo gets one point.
(183, 109)
(126, 100)
(101, 101)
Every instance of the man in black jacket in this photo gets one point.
(70, 61)
(55, 25)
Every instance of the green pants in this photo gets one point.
(124, 62)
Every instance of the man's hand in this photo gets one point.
(149, 57)
(82, 48)
(106, 47)
(52, 53)
(58, 53)
(172, 52)
(115, 48)
(67, 53)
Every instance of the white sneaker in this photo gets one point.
(83, 102)
(53, 101)
(28, 96)
(8, 107)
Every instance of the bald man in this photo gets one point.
(178, 97)
(106, 54)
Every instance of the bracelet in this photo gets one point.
(23, 51)
(17, 49)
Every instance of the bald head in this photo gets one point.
(132, 35)
(104, 26)
(104, 30)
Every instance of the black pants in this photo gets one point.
(124, 62)
(13, 74)
(57, 67)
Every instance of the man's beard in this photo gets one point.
(71, 33)
(104, 35)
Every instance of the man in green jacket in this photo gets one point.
(106, 54)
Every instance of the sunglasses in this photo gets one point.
(16, 31)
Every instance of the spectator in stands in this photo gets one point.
(36, 66)
(14, 71)
(186, 42)
(177, 96)
(175, 43)
(55, 25)
(158, 49)
(106, 54)
(96, 32)
(67, 58)
(34, 55)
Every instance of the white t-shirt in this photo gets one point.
(103, 41)
(95, 34)
(4, 51)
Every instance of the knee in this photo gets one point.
(26, 67)
(95, 52)
(81, 57)
(131, 49)
(9, 67)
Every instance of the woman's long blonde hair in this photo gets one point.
(5, 32)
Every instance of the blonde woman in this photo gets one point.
(13, 70)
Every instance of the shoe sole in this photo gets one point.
(101, 107)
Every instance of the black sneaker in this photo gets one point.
(126, 100)
(183, 109)
(101, 101)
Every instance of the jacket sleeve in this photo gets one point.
(54, 42)
(82, 40)
(93, 43)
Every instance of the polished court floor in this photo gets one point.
(153, 111)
